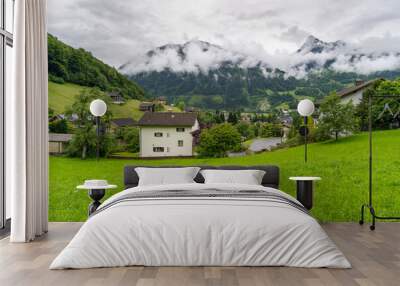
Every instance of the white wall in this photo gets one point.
(355, 98)
(169, 141)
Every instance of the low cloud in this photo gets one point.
(199, 57)
(262, 31)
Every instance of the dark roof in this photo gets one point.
(114, 93)
(190, 109)
(59, 137)
(143, 104)
(355, 88)
(124, 122)
(168, 119)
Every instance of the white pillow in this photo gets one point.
(166, 176)
(247, 177)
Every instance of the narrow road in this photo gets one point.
(262, 144)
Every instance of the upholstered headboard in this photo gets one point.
(271, 177)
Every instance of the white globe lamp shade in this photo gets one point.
(98, 107)
(305, 107)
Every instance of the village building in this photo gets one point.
(58, 142)
(168, 134)
(147, 106)
(355, 93)
(116, 97)
(161, 100)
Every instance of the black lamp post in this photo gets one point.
(98, 108)
(305, 109)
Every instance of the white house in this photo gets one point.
(354, 93)
(167, 134)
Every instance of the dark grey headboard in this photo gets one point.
(271, 177)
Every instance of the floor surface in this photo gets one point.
(375, 257)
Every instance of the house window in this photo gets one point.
(158, 134)
(180, 143)
(158, 149)
(180, 129)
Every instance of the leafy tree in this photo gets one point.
(337, 117)
(131, 137)
(218, 140)
(207, 118)
(84, 141)
(50, 112)
(270, 130)
(219, 117)
(181, 105)
(245, 129)
(232, 118)
(67, 64)
(58, 126)
(380, 120)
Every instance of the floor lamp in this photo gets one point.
(98, 108)
(369, 205)
(305, 108)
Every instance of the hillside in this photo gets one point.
(342, 165)
(78, 66)
(208, 76)
(62, 96)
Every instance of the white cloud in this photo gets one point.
(265, 30)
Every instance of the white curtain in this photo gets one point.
(27, 130)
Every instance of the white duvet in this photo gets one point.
(202, 232)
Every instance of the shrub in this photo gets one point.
(58, 126)
(218, 140)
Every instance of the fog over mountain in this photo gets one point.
(197, 56)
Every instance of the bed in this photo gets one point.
(198, 224)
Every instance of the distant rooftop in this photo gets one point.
(124, 122)
(358, 86)
(59, 137)
(168, 119)
(146, 104)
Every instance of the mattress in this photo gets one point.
(201, 225)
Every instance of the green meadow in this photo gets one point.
(61, 96)
(343, 166)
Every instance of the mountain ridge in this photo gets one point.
(78, 66)
(234, 81)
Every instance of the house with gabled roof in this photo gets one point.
(355, 93)
(147, 106)
(168, 134)
(116, 97)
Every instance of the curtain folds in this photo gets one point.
(27, 145)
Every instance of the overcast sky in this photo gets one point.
(119, 30)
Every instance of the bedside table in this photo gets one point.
(96, 191)
(304, 192)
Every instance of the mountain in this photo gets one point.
(78, 66)
(209, 76)
(316, 46)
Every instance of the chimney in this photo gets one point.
(359, 82)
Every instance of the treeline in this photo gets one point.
(78, 66)
(231, 87)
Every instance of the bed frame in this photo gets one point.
(270, 179)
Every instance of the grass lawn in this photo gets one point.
(62, 96)
(343, 166)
